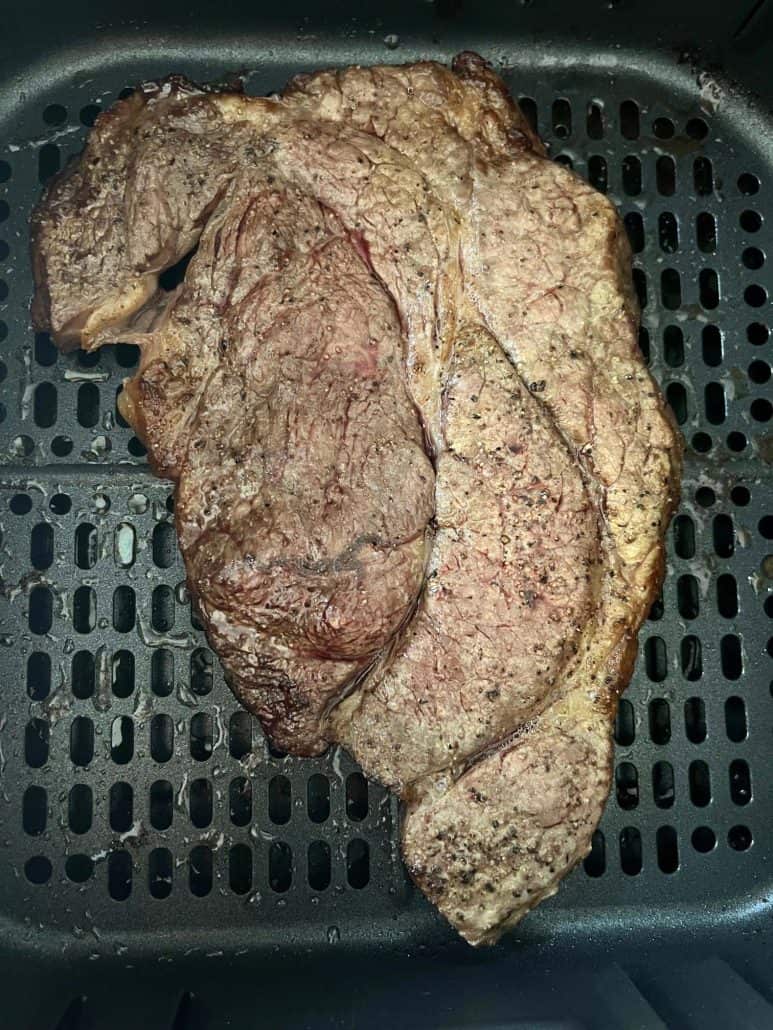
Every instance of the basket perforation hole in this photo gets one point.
(201, 671)
(162, 672)
(691, 655)
(673, 346)
(627, 785)
(61, 446)
(656, 610)
(121, 807)
(318, 798)
(562, 118)
(625, 724)
(356, 796)
(594, 120)
(663, 792)
(595, 862)
(753, 258)
(162, 610)
(161, 738)
(736, 441)
(358, 863)
(634, 226)
(60, 504)
(38, 869)
(703, 176)
(667, 849)
(280, 867)
(79, 868)
(201, 736)
(731, 657)
(630, 851)
(629, 119)
(723, 536)
(750, 221)
(632, 181)
(279, 800)
(757, 334)
(124, 609)
(240, 734)
(160, 873)
(34, 811)
(761, 410)
(727, 596)
(42, 546)
(41, 610)
(704, 839)
(684, 537)
(696, 129)
(740, 495)
(755, 295)
(45, 351)
(663, 128)
(695, 720)
(668, 232)
(740, 782)
(765, 527)
(706, 232)
(529, 108)
(644, 344)
(161, 804)
(740, 838)
(44, 405)
(36, 743)
(122, 740)
(84, 609)
(748, 184)
(240, 801)
(200, 802)
(687, 596)
(735, 719)
(81, 741)
(86, 546)
(83, 675)
(20, 504)
(49, 162)
(711, 341)
(164, 545)
(124, 545)
(80, 808)
(123, 673)
(699, 779)
(240, 868)
(708, 287)
(119, 875)
(597, 173)
(670, 289)
(759, 372)
(640, 286)
(87, 407)
(655, 659)
(665, 175)
(319, 865)
(715, 404)
(660, 721)
(38, 676)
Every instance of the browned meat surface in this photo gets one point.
(422, 473)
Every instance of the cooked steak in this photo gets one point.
(422, 473)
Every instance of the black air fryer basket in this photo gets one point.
(158, 861)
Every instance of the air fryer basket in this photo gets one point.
(148, 829)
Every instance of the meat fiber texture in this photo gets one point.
(422, 474)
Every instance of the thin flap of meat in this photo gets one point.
(131, 205)
(513, 579)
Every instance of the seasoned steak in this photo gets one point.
(422, 473)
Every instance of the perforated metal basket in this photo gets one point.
(146, 824)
